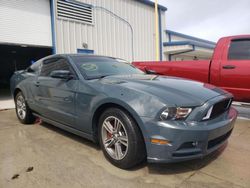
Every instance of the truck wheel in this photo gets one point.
(120, 139)
(23, 111)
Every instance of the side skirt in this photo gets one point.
(66, 128)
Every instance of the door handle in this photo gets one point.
(229, 67)
(37, 84)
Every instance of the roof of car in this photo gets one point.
(84, 55)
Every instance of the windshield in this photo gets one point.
(99, 67)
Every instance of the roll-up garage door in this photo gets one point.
(25, 22)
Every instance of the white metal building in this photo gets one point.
(25, 35)
(119, 28)
(31, 29)
(179, 47)
(25, 22)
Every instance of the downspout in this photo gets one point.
(160, 32)
(169, 37)
(157, 47)
(169, 40)
(53, 32)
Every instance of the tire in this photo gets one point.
(120, 139)
(23, 112)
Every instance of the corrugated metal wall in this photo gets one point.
(25, 22)
(109, 35)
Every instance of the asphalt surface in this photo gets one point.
(41, 155)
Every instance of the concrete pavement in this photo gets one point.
(42, 155)
(244, 111)
(6, 100)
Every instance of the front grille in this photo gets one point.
(218, 108)
(218, 140)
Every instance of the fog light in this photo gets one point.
(159, 141)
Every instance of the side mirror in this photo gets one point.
(61, 74)
(148, 71)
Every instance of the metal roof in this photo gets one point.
(189, 37)
(147, 2)
(195, 43)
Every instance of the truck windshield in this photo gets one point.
(99, 67)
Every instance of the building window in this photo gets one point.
(239, 49)
(75, 11)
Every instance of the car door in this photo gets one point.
(55, 96)
(235, 69)
(31, 89)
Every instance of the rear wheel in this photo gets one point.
(23, 111)
(120, 139)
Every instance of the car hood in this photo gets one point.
(170, 90)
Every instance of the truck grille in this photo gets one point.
(218, 108)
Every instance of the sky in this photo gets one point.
(208, 19)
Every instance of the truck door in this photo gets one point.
(235, 69)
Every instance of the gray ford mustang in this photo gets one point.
(132, 115)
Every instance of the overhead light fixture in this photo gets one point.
(85, 45)
(24, 46)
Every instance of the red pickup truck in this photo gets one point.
(229, 67)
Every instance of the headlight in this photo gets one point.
(173, 113)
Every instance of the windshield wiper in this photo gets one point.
(99, 77)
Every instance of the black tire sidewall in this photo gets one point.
(135, 142)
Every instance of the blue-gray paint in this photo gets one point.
(74, 102)
(189, 37)
(53, 32)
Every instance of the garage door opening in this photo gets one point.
(14, 58)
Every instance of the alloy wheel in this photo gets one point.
(21, 107)
(115, 138)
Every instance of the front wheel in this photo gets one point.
(120, 139)
(23, 111)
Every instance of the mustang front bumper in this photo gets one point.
(187, 140)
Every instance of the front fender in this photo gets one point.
(130, 109)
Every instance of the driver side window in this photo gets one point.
(34, 68)
(53, 64)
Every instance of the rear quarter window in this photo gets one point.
(239, 49)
